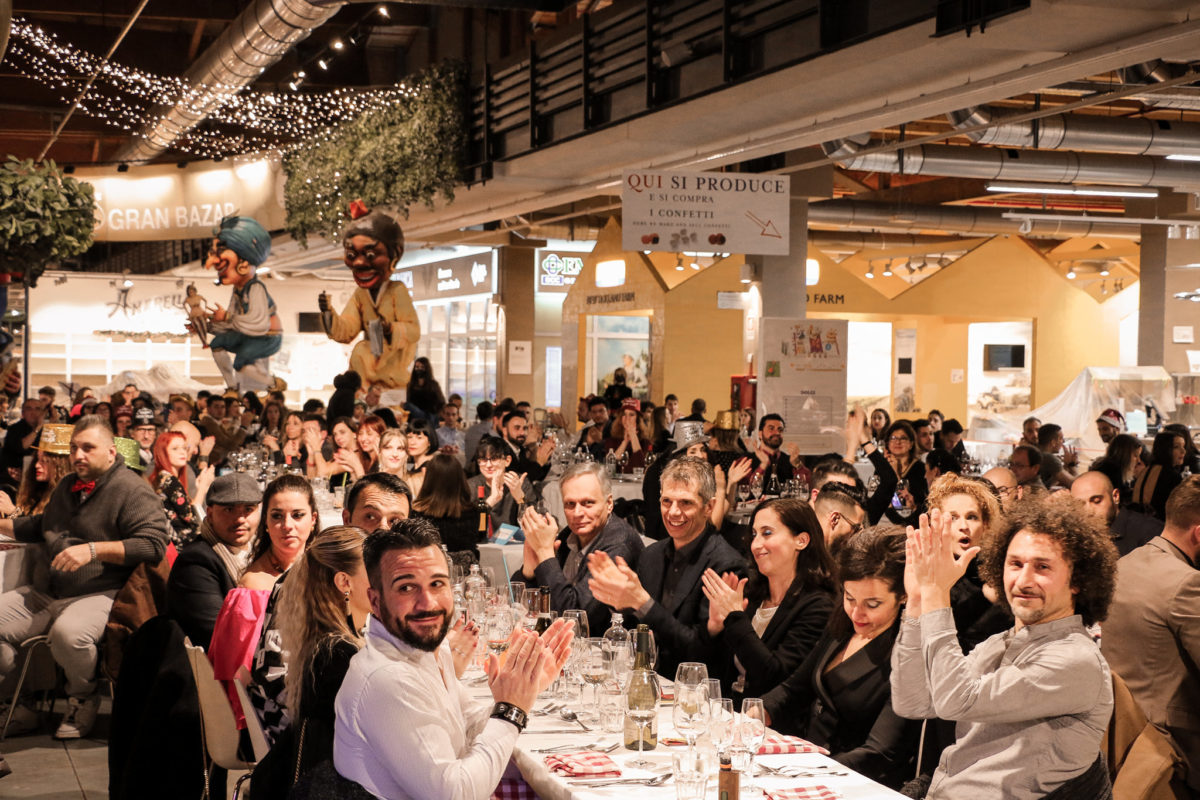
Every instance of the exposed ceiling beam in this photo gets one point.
(119, 10)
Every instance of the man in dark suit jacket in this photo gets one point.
(209, 567)
(558, 560)
(665, 590)
(1151, 638)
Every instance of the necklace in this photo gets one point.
(275, 565)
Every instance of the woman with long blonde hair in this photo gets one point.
(393, 453)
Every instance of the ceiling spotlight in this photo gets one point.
(887, 270)
(383, 12)
(122, 168)
(1071, 274)
(1104, 271)
(292, 85)
(301, 74)
(337, 44)
(322, 63)
(746, 273)
(870, 270)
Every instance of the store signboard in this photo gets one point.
(727, 212)
(557, 271)
(454, 277)
(160, 202)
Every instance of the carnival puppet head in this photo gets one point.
(373, 244)
(240, 245)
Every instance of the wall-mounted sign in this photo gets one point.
(727, 212)
(454, 277)
(556, 272)
(160, 202)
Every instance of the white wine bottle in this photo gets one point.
(641, 718)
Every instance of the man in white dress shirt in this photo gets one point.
(406, 727)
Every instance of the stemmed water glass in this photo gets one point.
(743, 493)
(690, 712)
(594, 669)
(581, 622)
(621, 664)
(498, 627)
(691, 673)
(756, 486)
(722, 722)
(752, 728)
(642, 707)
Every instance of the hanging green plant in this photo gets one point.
(407, 153)
(45, 216)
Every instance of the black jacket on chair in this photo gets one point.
(790, 636)
(679, 627)
(849, 709)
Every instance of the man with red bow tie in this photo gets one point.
(99, 524)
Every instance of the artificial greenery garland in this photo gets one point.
(395, 157)
(45, 216)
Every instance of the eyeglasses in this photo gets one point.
(854, 527)
(489, 461)
(900, 439)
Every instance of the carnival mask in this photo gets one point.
(231, 269)
(369, 261)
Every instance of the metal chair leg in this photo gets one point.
(28, 646)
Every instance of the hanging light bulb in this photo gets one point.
(383, 12)
(1071, 274)
(870, 270)
(1104, 271)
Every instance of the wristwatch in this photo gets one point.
(510, 713)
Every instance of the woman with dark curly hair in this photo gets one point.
(840, 696)
(761, 628)
(1032, 703)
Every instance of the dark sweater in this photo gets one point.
(122, 507)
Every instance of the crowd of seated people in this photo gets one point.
(939, 633)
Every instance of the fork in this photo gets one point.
(657, 780)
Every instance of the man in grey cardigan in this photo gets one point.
(100, 523)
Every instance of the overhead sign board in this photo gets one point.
(454, 277)
(726, 212)
(160, 202)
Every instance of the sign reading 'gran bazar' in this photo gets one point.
(725, 212)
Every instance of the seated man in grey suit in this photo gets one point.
(1152, 635)
(559, 560)
(665, 590)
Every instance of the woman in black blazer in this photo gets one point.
(840, 697)
(760, 638)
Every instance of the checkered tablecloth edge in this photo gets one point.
(583, 764)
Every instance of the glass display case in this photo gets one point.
(459, 338)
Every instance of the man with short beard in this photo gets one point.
(1129, 529)
(769, 458)
(405, 727)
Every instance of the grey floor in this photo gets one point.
(46, 769)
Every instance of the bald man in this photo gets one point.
(1129, 529)
(1005, 482)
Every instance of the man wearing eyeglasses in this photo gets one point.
(839, 512)
(1005, 482)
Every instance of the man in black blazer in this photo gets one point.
(665, 591)
(209, 567)
(559, 560)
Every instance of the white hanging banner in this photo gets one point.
(726, 212)
(803, 378)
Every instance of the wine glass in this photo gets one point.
(691, 673)
(581, 622)
(594, 669)
(721, 723)
(714, 688)
(621, 664)
(756, 486)
(743, 493)
(752, 728)
(641, 708)
(690, 712)
(498, 627)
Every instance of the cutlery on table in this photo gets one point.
(657, 780)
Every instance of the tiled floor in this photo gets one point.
(45, 769)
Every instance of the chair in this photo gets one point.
(1142, 763)
(258, 737)
(217, 726)
(30, 645)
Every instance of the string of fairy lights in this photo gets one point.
(238, 120)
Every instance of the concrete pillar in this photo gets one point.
(783, 289)
(1168, 265)
(516, 295)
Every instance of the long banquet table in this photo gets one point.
(548, 786)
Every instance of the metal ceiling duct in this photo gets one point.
(255, 40)
(1150, 137)
(864, 240)
(953, 161)
(855, 214)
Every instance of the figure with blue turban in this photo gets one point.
(380, 308)
(248, 333)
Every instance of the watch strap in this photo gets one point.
(510, 713)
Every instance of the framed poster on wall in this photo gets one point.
(804, 380)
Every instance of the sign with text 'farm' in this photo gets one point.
(725, 212)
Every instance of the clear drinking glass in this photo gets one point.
(752, 728)
(690, 712)
(690, 770)
(721, 723)
(691, 673)
(594, 669)
(580, 619)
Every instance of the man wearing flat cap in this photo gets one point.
(249, 329)
(380, 307)
(209, 567)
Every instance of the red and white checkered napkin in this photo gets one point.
(804, 793)
(776, 745)
(583, 764)
(514, 789)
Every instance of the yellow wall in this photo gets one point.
(703, 344)
(1002, 280)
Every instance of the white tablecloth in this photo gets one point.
(552, 496)
(553, 787)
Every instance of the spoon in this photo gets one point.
(571, 716)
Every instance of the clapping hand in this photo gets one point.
(930, 568)
(725, 595)
(464, 639)
(614, 583)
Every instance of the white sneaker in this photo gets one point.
(24, 720)
(81, 716)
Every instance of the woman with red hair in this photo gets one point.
(169, 479)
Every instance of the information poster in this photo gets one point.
(804, 379)
(725, 212)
